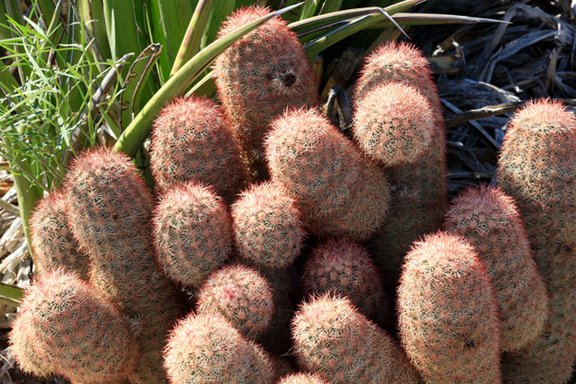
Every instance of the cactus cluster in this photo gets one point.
(295, 243)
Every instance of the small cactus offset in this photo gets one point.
(52, 240)
(192, 232)
(192, 140)
(332, 339)
(268, 228)
(447, 313)
(260, 76)
(394, 124)
(64, 328)
(490, 220)
(537, 167)
(302, 378)
(338, 190)
(241, 295)
(419, 191)
(344, 267)
(206, 348)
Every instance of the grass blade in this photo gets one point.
(433, 19)
(137, 75)
(135, 134)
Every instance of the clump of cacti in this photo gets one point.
(52, 240)
(448, 314)
(344, 267)
(192, 140)
(302, 378)
(490, 220)
(192, 233)
(206, 348)
(64, 327)
(338, 190)
(110, 211)
(268, 228)
(334, 340)
(241, 295)
(394, 124)
(537, 167)
(260, 76)
(419, 191)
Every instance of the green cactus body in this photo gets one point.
(332, 339)
(110, 213)
(64, 328)
(241, 295)
(268, 228)
(260, 76)
(52, 240)
(394, 124)
(447, 313)
(537, 167)
(302, 378)
(192, 140)
(338, 190)
(419, 191)
(206, 348)
(490, 220)
(344, 267)
(192, 232)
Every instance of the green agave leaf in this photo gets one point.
(192, 42)
(309, 9)
(11, 294)
(168, 21)
(331, 6)
(139, 129)
(434, 19)
(92, 14)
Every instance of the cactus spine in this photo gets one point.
(394, 124)
(447, 313)
(192, 140)
(63, 327)
(192, 233)
(332, 339)
(302, 378)
(260, 76)
(338, 190)
(419, 192)
(241, 295)
(344, 267)
(490, 220)
(52, 240)
(207, 349)
(268, 228)
(110, 213)
(537, 167)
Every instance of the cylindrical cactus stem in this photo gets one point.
(260, 76)
(52, 240)
(334, 340)
(489, 219)
(268, 227)
(240, 294)
(192, 233)
(206, 348)
(192, 140)
(338, 190)
(302, 378)
(63, 327)
(537, 167)
(110, 215)
(419, 192)
(344, 267)
(448, 314)
(394, 124)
